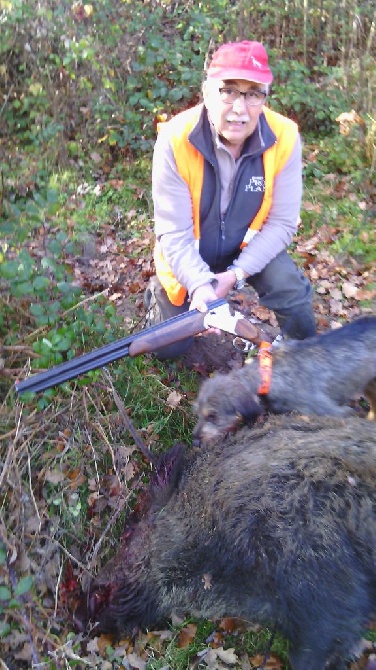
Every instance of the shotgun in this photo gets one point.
(219, 315)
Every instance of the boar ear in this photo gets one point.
(167, 474)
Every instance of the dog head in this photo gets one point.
(222, 406)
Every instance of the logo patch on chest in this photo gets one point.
(256, 184)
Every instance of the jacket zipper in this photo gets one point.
(223, 236)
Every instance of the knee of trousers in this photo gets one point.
(282, 286)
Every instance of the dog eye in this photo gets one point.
(211, 416)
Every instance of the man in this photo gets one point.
(227, 187)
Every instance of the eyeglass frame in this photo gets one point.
(244, 93)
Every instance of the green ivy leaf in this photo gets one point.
(5, 594)
(52, 195)
(24, 585)
(4, 628)
(41, 283)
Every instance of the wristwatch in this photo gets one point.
(240, 276)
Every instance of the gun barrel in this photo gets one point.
(148, 340)
(77, 366)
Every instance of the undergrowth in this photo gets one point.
(82, 89)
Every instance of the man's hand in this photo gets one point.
(202, 296)
(224, 282)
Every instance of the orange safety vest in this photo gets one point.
(190, 165)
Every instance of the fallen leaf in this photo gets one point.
(115, 296)
(95, 157)
(336, 293)
(25, 654)
(136, 661)
(174, 399)
(335, 324)
(233, 625)
(310, 207)
(212, 656)
(336, 307)
(349, 290)
(54, 476)
(100, 644)
(365, 294)
(216, 639)
(228, 656)
(273, 662)
(187, 635)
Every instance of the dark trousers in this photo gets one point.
(281, 287)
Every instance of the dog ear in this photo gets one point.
(249, 407)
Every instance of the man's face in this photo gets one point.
(236, 121)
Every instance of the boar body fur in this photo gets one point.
(275, 525)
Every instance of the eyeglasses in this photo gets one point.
(252, 98)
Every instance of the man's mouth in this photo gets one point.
(237, 122)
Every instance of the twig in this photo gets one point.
(6, 99)
(127, 422)
(8, 434)
(8, 460)
(2, 192)
(50, 538)
(118, 510)
(88, 437)
(11, 451)
(57, 588)
(104, 437)
(19, 348)
(31, 490)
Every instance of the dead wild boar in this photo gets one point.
(275, 524)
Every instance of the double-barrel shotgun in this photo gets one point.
(218, 315)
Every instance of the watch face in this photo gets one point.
(239, 274)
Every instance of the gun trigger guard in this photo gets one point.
(244, 346)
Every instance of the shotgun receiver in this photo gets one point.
(219, 315)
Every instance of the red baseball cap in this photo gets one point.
(241, 60)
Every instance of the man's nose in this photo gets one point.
(240, 105)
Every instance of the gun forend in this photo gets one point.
(178, 328)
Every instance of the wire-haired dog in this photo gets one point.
(319, 375)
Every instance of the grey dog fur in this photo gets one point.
(319, 375)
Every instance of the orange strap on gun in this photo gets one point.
(219, 315)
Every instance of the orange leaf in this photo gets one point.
(187, 635)
(273, 662)
(232, 625)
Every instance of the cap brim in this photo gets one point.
(256, 76)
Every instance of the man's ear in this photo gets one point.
(205, 91)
